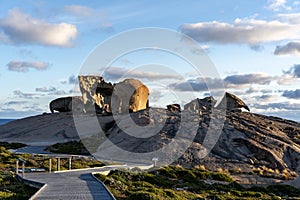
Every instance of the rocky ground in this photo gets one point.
(246, 142)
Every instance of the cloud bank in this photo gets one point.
(245, 79)
(277, 5)
(24, 66)
(292, 94)
(115, 73)
(80, 10)
(20, 28)
(289, 48)
(242, 31)
(294, 71)
(45, 89)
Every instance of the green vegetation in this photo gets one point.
(175, 182)
(77, 163)
(13, 145)
(72, 147)
(11, 188)
(8, 160)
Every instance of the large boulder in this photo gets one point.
(197, 105)
(66, 104)
(93, 94)
(231, 102)
(104, 90)
(130, 95)
(103, 97)
(174, 107)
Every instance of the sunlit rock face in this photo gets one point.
(232, 103)
(102, 97)
(88, 86)
(245, 140)
(130, 95)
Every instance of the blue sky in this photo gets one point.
(255, 46)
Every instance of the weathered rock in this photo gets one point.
(174, 107)
(232, 103)
(66, 104)
(206, 103)
(91, 100)
(130, 95)
(104, 90)
(246, 141)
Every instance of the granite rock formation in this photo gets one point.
(232, 103)
(130, 95)
(103, 97)
(197, 105)
(247, 140)
(66, 104)
(174, 107)
(91, 99)
(104, 90)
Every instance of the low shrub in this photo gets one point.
(142, 196)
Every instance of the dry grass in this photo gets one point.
(200, 167)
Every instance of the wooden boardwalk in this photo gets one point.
(73, 185)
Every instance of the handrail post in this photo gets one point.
(50, 165)
(17, 166)
(23, 166)
(58, 164)
(70, 162)
(23, 169)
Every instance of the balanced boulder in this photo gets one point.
(66, 104)
(93, 94)
(102, 97)
(129, 95)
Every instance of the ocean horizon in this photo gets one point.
(4, 121)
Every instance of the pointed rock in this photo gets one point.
(232, 103)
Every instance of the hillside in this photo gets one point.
(248, 143)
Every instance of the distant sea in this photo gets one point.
(4, 121)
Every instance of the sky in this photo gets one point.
(254, 46)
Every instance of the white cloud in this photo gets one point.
(242, 31)
(84, 14)
(58, 92)
(266, 98)
(277, 5)
(15, 103)
(80, 10)
(288, 49)
(296, 3)
(24, 95)
(155, 95)
(246, 79)
(45, 89)
(286, 79)
(20, 28)
(23, 66)
(115, 73)
(293, 18)
(199, 84)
